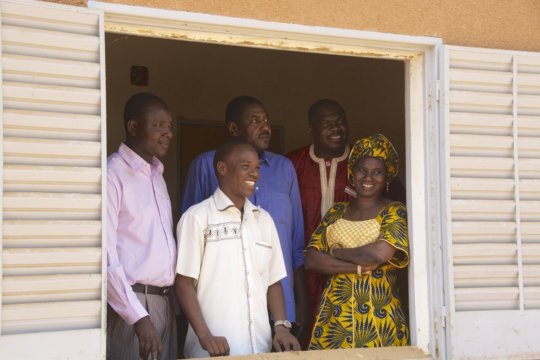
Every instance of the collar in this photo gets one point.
(223, 203)
(138, 163)
(314, 157)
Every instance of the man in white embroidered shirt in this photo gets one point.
(229, 265)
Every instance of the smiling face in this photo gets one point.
(369, 177)
(253, 126)
(330, 132)
(238, 173)
(152, 135)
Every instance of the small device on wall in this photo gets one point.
(139, 75)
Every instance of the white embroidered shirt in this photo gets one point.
(234, 260)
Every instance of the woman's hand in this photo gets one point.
(368, 269)
(323, 263)
(369, 256)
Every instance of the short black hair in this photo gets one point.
(234, 109)
(323, 104)
(227, 147)
(138, 104)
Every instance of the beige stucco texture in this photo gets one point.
(501, 24)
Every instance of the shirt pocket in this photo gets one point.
(263, 256)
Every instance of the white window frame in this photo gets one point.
(420, 55)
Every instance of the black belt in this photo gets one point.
(151, 289)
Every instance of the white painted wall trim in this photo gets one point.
(446, 205)
(422, 148)
(75, 344)
(217, 23)
(423, 201)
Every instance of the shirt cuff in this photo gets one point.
(133, 314)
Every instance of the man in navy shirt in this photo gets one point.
(276, 192)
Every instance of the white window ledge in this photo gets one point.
(385, 353)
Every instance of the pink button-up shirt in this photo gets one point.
(140, 245)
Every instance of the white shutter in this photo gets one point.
(491, 103)
(52, 75)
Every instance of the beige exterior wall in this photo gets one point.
(499, 24)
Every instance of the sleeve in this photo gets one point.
(394, 232)
(120, 295)
(318, 238)
(190, 235)
(297, 229)
(199, 183)
(277, 263)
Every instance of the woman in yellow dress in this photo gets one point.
(361, 245)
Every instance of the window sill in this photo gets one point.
(387, 353)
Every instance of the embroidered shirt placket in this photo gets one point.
(328, 183)
(249, 286)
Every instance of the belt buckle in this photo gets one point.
(164, 291)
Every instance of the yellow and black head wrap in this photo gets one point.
(377, 146)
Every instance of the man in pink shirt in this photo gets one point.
(141, 251)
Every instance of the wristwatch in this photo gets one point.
(285, 323)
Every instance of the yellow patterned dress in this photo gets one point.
(362, 311)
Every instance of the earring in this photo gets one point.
(387, 185)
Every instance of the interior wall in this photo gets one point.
(499, 24)
(197, 80)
